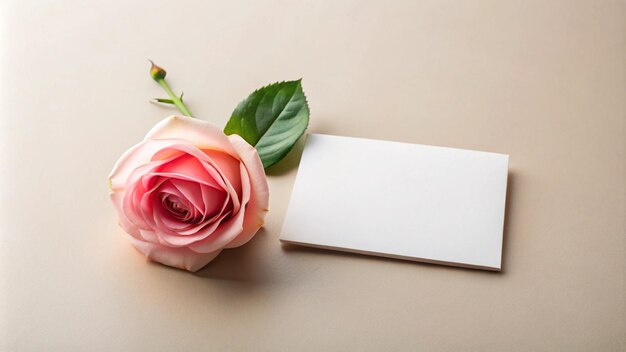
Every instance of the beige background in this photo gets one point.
(542, 81)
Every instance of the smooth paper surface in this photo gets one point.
(408, 201)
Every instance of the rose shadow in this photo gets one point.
(244, 264)
(295, 250)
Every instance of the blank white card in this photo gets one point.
(399, 200)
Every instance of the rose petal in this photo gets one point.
(163, 218)
(198, 132)
(259, 194)
(225, 233)
(134, 157)
(191, 192)
(169, 220)
(149, 236)
(133, 194)
(127, 225)
(181, 258)
(184, 177)
(215, 171)
(190, 167)
(131, 205)
(195, 235)
(214, 202)
(227, 166)
(233, 196)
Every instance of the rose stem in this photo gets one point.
(179, 103)
(158, 74)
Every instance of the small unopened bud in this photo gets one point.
(156, 72)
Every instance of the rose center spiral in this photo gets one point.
(176, 206)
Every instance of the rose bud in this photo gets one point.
(188, 191)
(156, 72)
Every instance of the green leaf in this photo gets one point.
(271, 119)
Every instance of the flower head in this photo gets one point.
(188, 191)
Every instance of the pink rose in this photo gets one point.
(187, 191)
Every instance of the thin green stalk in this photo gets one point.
(176, 100)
